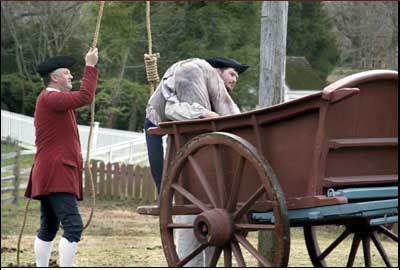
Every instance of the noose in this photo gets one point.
(87, 167)
(150, 59)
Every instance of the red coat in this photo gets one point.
(58, 162)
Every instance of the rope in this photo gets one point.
(22, 230)
(150, 59)
(87, 167)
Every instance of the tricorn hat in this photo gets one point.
(51, 64)
(221, 62)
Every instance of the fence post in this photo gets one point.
(16, 174)
(123, 180)
(138, 178)
(109, 180)
(131, 175)
(116, 181)
(150, 186)
(102, 182)
(94, 174)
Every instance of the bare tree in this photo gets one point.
(371, 29)
(38, 30)
(44, 28)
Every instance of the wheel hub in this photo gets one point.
(214, 227)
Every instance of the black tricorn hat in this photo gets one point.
(221, 62)
(51, 64)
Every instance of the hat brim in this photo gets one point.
(220, 62)
(51, 64)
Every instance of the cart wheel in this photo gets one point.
(362, 232)
(218, 163)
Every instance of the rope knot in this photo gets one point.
(150, 61)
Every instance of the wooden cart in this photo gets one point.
(327, 158)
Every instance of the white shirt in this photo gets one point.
(52, 89)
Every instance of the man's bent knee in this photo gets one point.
(73, 228)
(47, 234)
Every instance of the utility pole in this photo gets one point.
(274, 15)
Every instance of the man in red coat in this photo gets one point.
(56, 176)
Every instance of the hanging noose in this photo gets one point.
(150, 59)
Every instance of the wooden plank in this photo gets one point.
(360, 180)
(14, 154)
(8, 156)
(357, 142)
(7, 168)
(7, 200)
(361, 209)
(109, 181)
(102, 182)
(152, 187)
(123, 180)
(368, 193)
(17, 175)
(7, 189)
(145, 187)
(138, 178)
(12, 188)
(131, 175)
(94, 175)
(150, 190)
(116, 181)
(7, 178)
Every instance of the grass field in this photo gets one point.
(118, 236)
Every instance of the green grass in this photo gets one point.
(7, 147)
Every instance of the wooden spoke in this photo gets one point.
(246, 206)
(215, 257)
(219, 170)
(388, 233)
(254, 227)
(247, 245)
(334, 244)
(228, 256)
(191, 255)
(367, 252)
(185, 193)
(238, 254)
(362, 231)
(236, 184)
(379, 247)
(180, 226)
(353, 250)
(200, 175)
(217, 163)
